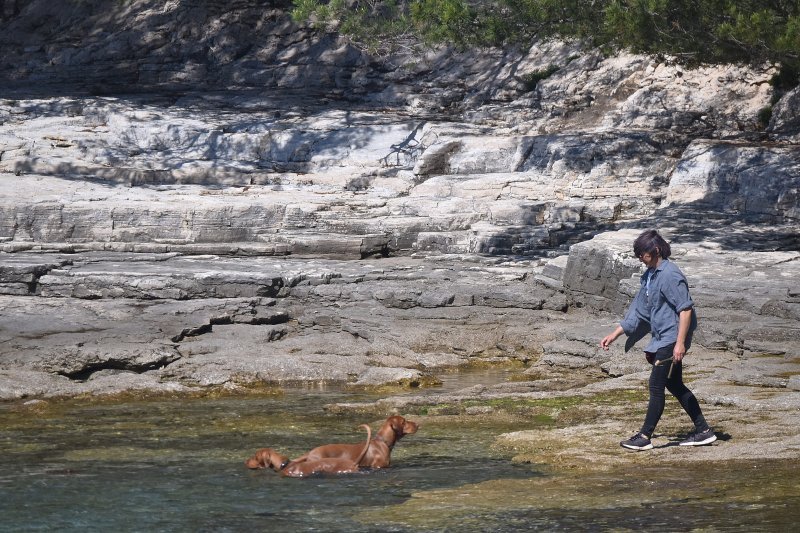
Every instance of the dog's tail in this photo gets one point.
(366, 446)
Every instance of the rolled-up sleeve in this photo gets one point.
(676, 292)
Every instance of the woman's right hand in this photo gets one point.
(611, 337)
(606, 342)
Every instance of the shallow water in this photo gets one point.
(177, 465)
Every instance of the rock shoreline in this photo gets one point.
(222, 210)
(172, 322)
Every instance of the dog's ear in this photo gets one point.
(278, 461)
(397, 422)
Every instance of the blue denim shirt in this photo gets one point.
(658, 305)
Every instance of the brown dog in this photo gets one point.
(327, 465)
(379, 448)
(267, 458)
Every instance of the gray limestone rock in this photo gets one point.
(278, 206)
(786, 114)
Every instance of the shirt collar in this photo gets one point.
(650, 273)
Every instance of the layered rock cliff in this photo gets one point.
(158, 160)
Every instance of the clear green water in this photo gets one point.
(177, 465)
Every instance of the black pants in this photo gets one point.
(674, 384)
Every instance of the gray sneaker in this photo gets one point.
(638, 442)
(700, 438)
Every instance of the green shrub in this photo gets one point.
(532, 79)
(693, 31)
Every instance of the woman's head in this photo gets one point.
(650, 242)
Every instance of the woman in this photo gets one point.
(663, 303)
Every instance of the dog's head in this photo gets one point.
(401, 426)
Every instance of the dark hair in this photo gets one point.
(650, 242)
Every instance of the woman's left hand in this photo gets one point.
(678, 352)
